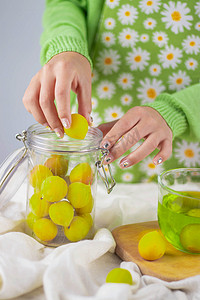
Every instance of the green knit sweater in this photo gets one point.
(71, 25)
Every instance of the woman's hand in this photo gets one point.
(64, 72)
(138, 123)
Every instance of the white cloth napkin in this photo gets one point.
(77, 271)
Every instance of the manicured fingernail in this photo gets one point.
(58, 132)
(158, 162)
(124, 164)
(65, 123)
(108, 159)
(90, 120)
(106, 145)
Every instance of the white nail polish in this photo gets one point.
(58, 132)
(65, 123)
(124, 164)
(108, 159)
(159, 161)
(106, 145)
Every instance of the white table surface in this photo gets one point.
(77, 271)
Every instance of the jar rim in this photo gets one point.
(43, 139)
(170, 190)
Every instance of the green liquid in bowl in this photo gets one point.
(179, 220)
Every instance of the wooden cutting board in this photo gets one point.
(174, 265)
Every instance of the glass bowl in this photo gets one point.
(179, 208)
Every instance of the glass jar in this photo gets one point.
(62, 184)
(179, 208)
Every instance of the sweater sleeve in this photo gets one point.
(65, 29)
(181, 111)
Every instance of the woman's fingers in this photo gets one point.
(65, 71)
(127, 141)
(130, 119)
(147, 147)
(164, 153)
(82, 85)
(38, 114)
(31, 101)
(106, 127)
(62, 95)
(84, 99)
(47, 104)
(136, 124)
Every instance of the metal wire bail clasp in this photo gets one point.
(99, 164)
(22, 137)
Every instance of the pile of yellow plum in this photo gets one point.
(61, 200)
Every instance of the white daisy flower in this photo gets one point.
(197, 26)
(127, 14)
(150, 23)
(197, 9)
(94, 75)
(170, 57)
(128, 37)
(160, 38)
(154, 70)
(108, 39)
(105, 90)
(126, 99)
(94, 102)
(191, 64)
(176, 16)
(125, 81)
(138, 59)
(97, 120)
(108, 61)
(127, 176)
(144, 38)
(188, 153)
(149, 89)
(109, 23)
(149, 6)
(191, 44)
(113, 113)
(112, 3)
(179, 80)
(147, 166)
